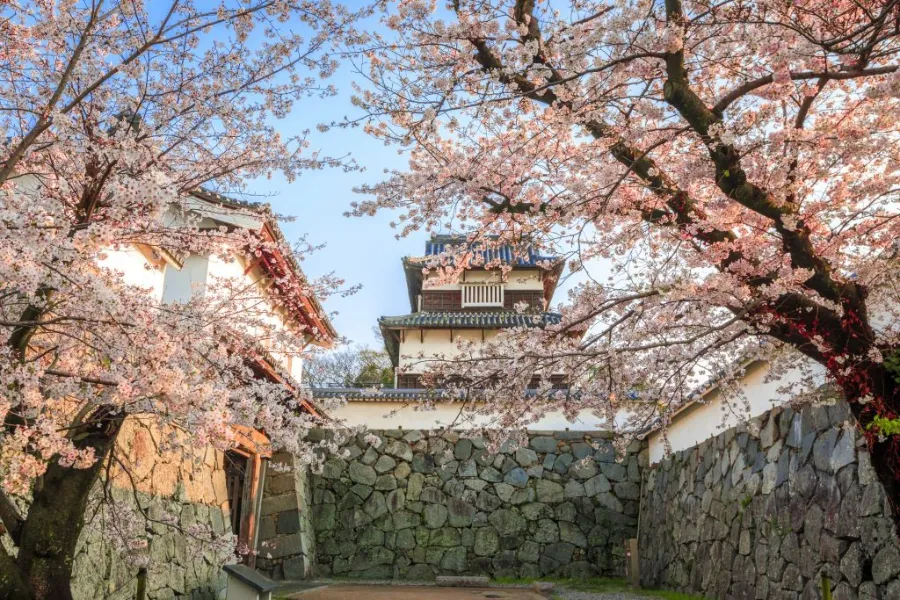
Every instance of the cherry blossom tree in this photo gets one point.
(113, 113)
(733, 163)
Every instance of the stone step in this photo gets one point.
(543, 587)
(463, 580)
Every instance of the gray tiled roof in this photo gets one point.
(438, 244)
(526, 258)
(380, 395)
(471, 319)
(395, 394)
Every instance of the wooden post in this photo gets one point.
(141, 584)
(257, 507)
(826, 587)
(632, 563)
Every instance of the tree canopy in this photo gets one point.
(732, 164)
(113, 114)
(354, 367)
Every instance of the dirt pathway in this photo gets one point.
(414, 592)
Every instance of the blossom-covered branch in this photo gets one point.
(121, 121)
(730, 168)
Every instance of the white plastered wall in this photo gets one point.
(200, 271)
(181, 284)
(396, 415)
(276, 317)
(135, 270)
(702, 421)
(434, 343)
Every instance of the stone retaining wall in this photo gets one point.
(181, 491)
(178, 567)
(422, 504)
(762, 510)
(286, 540)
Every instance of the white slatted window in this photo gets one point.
(482, 294)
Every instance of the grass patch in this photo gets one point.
(600, 585)
(620, 585)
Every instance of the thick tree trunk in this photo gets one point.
(56, 515)
(886, 462)
(50, 532)
(12, 583)
(879, 391)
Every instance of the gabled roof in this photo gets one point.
(506, 254)
(470, 320)
(391, 326)
(400, 394)
(281, 266)
(265, 366)
(525, 257)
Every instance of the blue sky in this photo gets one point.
(361, 250)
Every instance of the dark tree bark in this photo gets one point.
(842, 321)
(873, 392)
(50, 532)
(12, 583)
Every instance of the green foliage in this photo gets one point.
(776, 527)
(885, 426)
(353, 367)
(376, 369)
(619, 585)
(892, 365)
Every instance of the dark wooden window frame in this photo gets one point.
(245, 489)
(451, 300)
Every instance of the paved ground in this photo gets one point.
(414, 592)
(565, 594)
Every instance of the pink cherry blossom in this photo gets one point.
(723, 176)
(119, 119)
